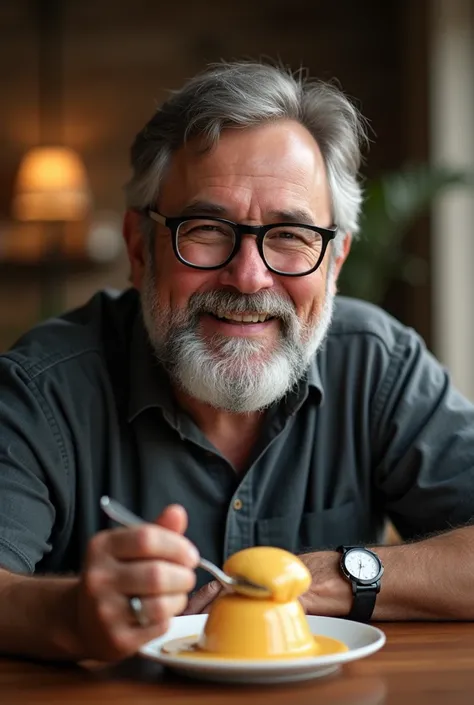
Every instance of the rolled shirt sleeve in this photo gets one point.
(424, 443)
(32, 469)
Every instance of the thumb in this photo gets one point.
(174, 517)
(201, 600)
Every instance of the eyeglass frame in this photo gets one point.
(240, 229)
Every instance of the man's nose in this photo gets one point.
(247, 271)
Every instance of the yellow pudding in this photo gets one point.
(241, 627)
(281, 572)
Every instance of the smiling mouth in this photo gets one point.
(242, 318)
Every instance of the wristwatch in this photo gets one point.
(364, 569)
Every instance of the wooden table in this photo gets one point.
(421, 664)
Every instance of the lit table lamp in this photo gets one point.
(52, 188)
(51, 185)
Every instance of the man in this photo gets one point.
(246, 406)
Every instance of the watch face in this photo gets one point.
(362, 565)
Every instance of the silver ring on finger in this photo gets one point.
(136, 605)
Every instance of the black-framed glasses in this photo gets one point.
(288, 249)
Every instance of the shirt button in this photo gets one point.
(237, 504)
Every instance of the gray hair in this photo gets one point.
(246, 94)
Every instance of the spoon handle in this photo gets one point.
(119, 513)
(216, 572)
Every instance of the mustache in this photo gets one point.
(262, 302)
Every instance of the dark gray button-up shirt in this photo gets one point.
(374, 431)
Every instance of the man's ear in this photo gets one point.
(135, 244)
(340, 259)
(342, 256)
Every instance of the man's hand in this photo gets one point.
(152, 562)
(329, 595)
(201, 601)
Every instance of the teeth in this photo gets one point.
(244, 317)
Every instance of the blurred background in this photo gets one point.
(79, 78)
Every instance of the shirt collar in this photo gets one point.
(310, 384)
(313, 376)
(150, 385)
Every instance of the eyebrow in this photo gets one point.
(204, 208)
(296, 215)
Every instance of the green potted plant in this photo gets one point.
(392, 203)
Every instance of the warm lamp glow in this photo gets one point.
(51, 185)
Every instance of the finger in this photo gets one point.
(117, 633)
(174, 518)
(207, 608)
(203, 598)
(153, 577)
(202, 604)
(304, 604)
(157, 610)
(145, 542)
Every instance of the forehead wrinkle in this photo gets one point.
(217, 179)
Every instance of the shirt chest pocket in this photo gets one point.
(316, 530)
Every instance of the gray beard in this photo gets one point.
(237, 375)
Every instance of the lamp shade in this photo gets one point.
(51, 185)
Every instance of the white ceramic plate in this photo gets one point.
(361, 640)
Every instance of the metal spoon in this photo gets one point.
(125, 517)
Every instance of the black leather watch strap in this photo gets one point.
(363, 594)
(363, 603)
